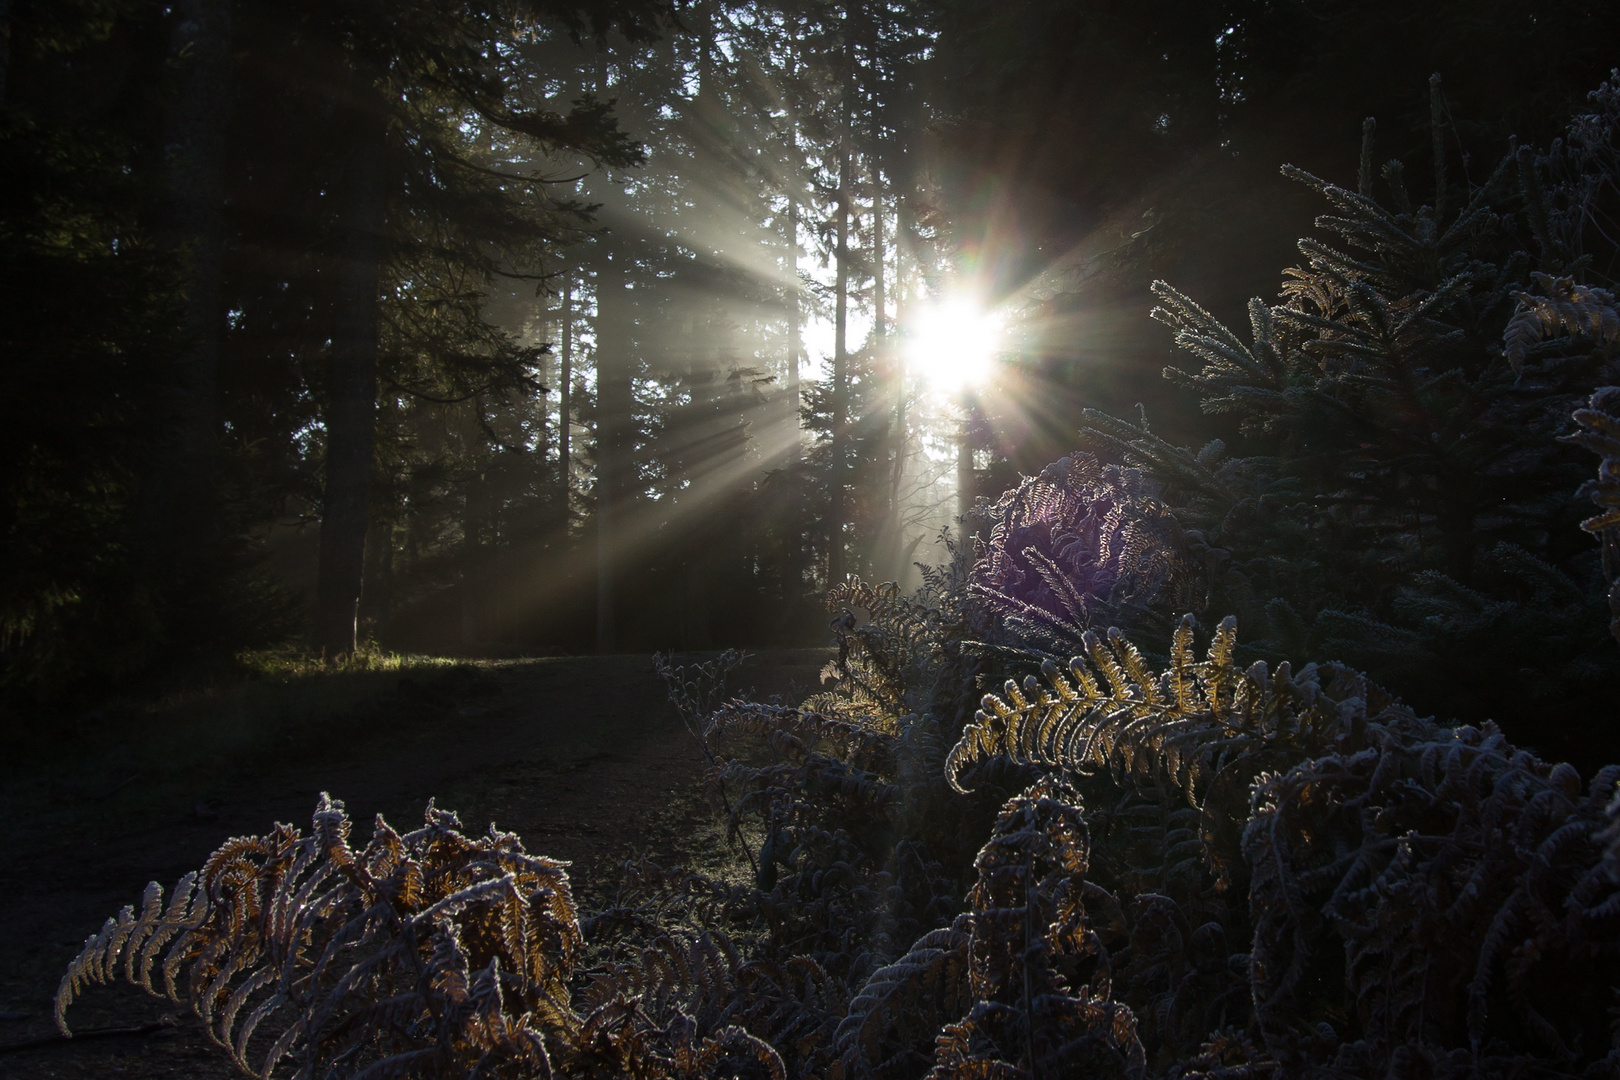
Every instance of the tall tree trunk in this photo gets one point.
(880, 300)
(795, 343)
(708, 489)
(565, 404)
(836, 568)
(351, 408)
(885, 555)
(901, 439)
(194, 148)
(840, 388)
(614, 393)
(177, 497)
(705, 36)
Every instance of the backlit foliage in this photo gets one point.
(1039, 969)
(1412, 886)
(1399, 499)
(1080, 545)
(1455, 888)
(887, 644)
(1563, 306)
(1198, 725)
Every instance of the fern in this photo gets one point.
(702, 981)
(697, 690)
(798, 733)
(1205, 726)
(1459, 883)
(1564, 306)
(890, 1026)
(433, 954)
(1441, 876)
(1600, 432)
(430, 953)
(1079, 545)
(1221, 871)
(880, 656)
(651, 898)
(1038, 971)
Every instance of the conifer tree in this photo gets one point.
(407, 199)
(1403, 502)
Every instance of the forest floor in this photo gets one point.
(582, 757)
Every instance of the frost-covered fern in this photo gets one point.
(1562, 306)
(430, 953)
(890, 1026)
(1456, 888)
(1599, 432)
(1217, 871)
(1038, 969)
(1079, 545)
(1415, 896)
(1198, 724)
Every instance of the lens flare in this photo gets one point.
(953, 344)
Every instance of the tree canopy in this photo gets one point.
(471, 326)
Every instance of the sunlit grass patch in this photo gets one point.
(296, 662)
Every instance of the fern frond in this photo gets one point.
(799, 733)
(362, 957)
(891, 1024)
(1038, 970)
(1449, 876)
(1193, 723)
(1564, 306)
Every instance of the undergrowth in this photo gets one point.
(1205, 870)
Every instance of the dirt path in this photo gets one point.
(583, 758)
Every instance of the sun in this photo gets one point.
(953, 344)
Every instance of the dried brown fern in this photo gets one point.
(1205, 727)
(428, 954)
(697, 689)
(1080, 545)
(840, 879)
(886, 644)
(616, 1040)
(1469, 888)
(1039, 972)
(703, 979)
(437, 955)
(799, 734)
(651, 898)
(1564, 306)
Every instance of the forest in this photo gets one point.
(1049, 538)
